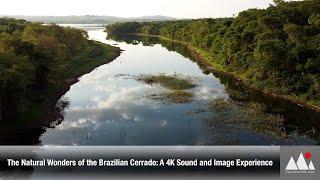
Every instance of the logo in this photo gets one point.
(301, 165)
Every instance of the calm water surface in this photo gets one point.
(109, 107)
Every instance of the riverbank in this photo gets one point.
(42, 110)
(208, 64)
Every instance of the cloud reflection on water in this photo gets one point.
(108, 109)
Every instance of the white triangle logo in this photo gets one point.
(291, 166)
(311, 167)
(301, 163)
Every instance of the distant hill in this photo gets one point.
(153, 18)
(89, 19)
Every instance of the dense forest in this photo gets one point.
(35, 56)
(276, 49)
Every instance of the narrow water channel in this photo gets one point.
(108, 106)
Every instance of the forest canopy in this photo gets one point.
(31, 56)
(277, 49)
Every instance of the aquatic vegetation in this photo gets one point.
(170, 82)
(251, 115)
(175, 85)
(269, 49)
(175, 97)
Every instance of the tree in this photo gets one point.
(277, 47)
(30, 54)
(278, 2)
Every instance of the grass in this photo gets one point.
(179, 96)
(173, 97)
(175, 85)
(208, 57)
(85, 62)
(250, 115)
(169, 82)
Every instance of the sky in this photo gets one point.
(131, 8)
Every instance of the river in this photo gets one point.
(109, 106)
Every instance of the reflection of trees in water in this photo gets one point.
(296, 118)
(246, 115)
(59, 112)
(18, 153)
(150, 41)
(30, 135)
(14, 172)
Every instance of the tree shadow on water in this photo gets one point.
(13, 135)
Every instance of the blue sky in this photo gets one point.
(131, 8)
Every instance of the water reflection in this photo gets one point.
(109, 107)
(11, 135)
(298, 121)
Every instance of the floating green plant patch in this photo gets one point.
(252, 115)
(170, 82)
(174, 97)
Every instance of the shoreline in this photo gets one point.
(71, 81)
(210, 68)
(48, 103)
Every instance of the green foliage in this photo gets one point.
(169, 82)
(277, 48)
(278, 2)
(30, 57)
